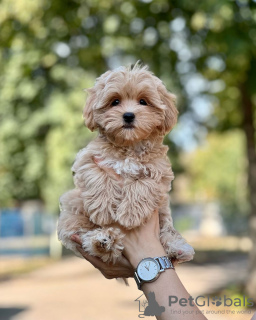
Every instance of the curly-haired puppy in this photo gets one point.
(132, 110)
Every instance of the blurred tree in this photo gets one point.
(41, 101)
(227, 60)
(52, 49)
(216, 169)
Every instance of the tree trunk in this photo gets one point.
(248, 124)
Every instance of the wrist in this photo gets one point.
(152, 250)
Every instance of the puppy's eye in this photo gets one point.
(115, 102)
(143, 102)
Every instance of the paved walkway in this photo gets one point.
(72, 289)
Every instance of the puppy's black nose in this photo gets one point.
(128, 117)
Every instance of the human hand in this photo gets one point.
(121, 269)
(143, 241)
(139, 243)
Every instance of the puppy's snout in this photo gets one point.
(128, 117)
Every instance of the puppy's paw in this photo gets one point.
(141, 198)
(181, 252)
(100, 201)
(129, 216)
(185, 253)
(105, 243)
(175, 245)
(100, 216)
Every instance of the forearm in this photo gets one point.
(168, 284)
(169, 287)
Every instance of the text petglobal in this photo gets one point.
(202, 301)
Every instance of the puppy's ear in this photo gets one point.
(88, 113)
(171, 113)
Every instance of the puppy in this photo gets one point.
(123, 175)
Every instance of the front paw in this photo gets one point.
(181, 251)
(98, 208)
(100, 201)
(105, 243)
(100, 216)
(130, 215)
(141, 198)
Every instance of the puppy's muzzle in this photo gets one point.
(128, 117)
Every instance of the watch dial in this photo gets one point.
(148, 269)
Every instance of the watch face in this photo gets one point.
(148, 269)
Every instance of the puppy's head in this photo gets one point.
(129, 105)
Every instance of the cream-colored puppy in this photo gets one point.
(132, 110)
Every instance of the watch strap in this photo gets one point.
(164, 263)
(138, 281)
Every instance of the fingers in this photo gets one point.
(155, 221)
(155, 216)
(110, 172)
(76, 238)
(96, 160)
(122, 269)
(95, 261)
(152, 225)
(124, 262)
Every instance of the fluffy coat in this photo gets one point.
(103, 206)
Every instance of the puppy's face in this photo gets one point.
(129, 105)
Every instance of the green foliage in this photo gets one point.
(51, 50)
(41, 107)
(217, 170)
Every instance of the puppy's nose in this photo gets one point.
(128, 117)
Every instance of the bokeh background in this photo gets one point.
(205, 53)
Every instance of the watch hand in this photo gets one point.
(147, 267)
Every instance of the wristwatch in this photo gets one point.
(149, 269)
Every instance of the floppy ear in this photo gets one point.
(88, 113)
(169, 101)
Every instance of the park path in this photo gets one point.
(71, 289)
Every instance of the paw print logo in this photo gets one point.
(217, 301)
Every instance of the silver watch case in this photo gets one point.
(162, 264)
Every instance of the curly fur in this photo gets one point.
(100, 206)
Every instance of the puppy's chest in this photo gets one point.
(126, 167)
